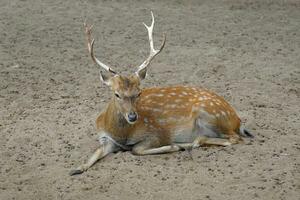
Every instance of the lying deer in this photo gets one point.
(161, 119)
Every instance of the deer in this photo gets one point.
(159, 120)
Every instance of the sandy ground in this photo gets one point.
(246, 51)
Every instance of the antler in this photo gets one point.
(153, 52)
(90, 44)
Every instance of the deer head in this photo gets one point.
(126, 89)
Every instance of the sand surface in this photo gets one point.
(50, 96)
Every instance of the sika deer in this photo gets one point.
(159, 120)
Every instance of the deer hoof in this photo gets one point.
(75, 172)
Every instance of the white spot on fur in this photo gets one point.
(195, 108)
(156, 110)
(149, 101)
(146, 120)
(165, 112)
(159, 95)
(146, 108)
(181, 106)
(211, 103)
(162, 121)
(151, 126)
(160, 104)
(172, 105)
(223, 113)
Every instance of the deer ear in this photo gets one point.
(142, 73)
(106, 79)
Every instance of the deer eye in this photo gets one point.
(138, 95)
(117, 95)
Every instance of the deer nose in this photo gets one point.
(132, 116)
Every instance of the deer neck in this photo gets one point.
(115, 123)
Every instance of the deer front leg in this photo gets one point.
(105, 148)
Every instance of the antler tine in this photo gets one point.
(90, 44)
(153, 52)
